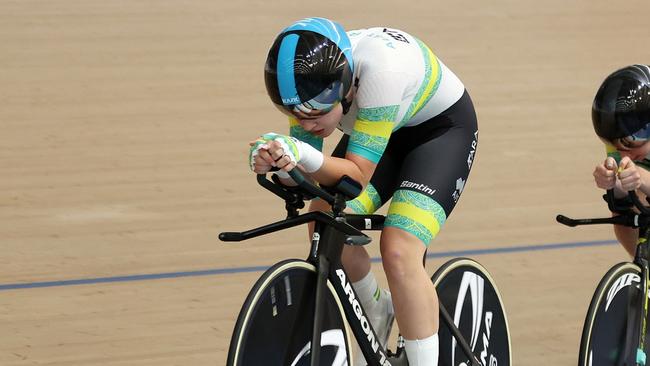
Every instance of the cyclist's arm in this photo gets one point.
(354, 166)
(367, 143)
(295, 130)
(645, 180)
(627, 236)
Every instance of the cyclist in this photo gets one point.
(621, 118)
(410, 134)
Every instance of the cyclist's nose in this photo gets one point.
(307, 125)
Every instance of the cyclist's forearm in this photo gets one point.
(627, 236)
(334, 168)
(645, 181)
(329, 173)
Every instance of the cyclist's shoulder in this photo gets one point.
(390, 43)
(381, 35)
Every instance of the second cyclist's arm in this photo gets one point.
(645, 180)
(643, 167)
(628, 237)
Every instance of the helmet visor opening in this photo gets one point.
(319, 105)
(641, 135)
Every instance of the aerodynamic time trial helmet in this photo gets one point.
(621, 108)
(309, 67)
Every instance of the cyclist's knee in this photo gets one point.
(401, 253)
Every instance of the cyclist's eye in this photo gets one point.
(626, 143)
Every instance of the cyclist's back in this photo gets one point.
(395, 66)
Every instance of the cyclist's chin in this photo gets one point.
(326, 132)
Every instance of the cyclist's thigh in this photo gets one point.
(443, 164)
(433, 174)
(382, 184)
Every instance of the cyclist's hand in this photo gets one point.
(629, 175)
(256, 161)
(605, 174)
(272, 150)
(281, 156)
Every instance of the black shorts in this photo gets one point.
(424, 170)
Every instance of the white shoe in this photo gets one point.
(382, 321)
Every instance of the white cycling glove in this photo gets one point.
(299, 152)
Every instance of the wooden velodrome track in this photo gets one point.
(124, 129)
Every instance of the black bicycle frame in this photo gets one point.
(330, 234)
(329, 242)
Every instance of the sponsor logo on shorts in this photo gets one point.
(472, 151)
(460, 185)
(420, 187)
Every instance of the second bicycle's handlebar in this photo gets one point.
(624, 220)
(626, 216)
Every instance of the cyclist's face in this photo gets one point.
(635, 150)
(323, 126)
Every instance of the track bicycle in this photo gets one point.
(299, 303)
(615, 328)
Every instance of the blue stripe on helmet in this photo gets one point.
(286, 79)
(329, 29)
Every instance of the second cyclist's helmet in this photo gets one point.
(309, 67)
(621, 108)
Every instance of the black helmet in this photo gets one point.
(309, 67)
(621, 108)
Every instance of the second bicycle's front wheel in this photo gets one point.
(610, 335)
(472, 299)
(274, 326)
